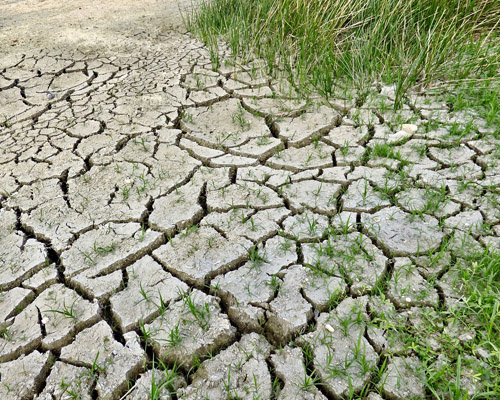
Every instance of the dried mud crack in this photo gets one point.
(164, 222)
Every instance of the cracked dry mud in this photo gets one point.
(153, 208)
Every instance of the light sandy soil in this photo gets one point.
(34, 24)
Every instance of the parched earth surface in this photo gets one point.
(167, 226)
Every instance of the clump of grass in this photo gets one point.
(453, 367)
(479, 311)
(323, 42)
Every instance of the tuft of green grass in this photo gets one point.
(67, 311)
(455, 368)
(201, 313)
(323, 43)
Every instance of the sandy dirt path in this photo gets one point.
(40, 24)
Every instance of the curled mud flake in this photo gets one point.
(156, 381)
(112, 362)
(428, 201)
(247, 290)
(289, 313)
(98, 288)
(315, 155)
(408, 288)
(20, 335)
(241, 223)
(177, 210)
(403, 234)
(148, 294)
(244, 195)
(13, 301)
(361, 197)
(193, 328)
(22, 378)
(227, 118)
(202, 153)
(451, 156)
(468, 221)
(305, 128)
(403, 379)
(290, 368)
(349, 255)
(47, 276)
(65, 379)
(63, 314)
(229, 160)
(85, 128)
(108, 248)
(240, 371)
(320, 197)
(344, 359)
(306, 227)
(346, 135)
(275, 107)
(198, 254)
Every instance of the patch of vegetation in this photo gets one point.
(326, 43)
(459, 344)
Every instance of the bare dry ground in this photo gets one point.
(39, 24)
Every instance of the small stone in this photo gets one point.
(407, 288)
(410, 128)
(482, 353)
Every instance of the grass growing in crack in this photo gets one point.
(142, 234)
(103, 250)
(95, 369)
(385, 151)
(5, 334)
(201, 313)
(68, 390)
(227, 383)
(66, 311)
(309, 382)
(239, 119)
(255, 257)
(462, 361)
(275, 284)
(174, 336)
(409, 43)
(166, 384)
(147, 334)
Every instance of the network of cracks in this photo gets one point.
(162, 221)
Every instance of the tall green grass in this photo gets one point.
(324, 43)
